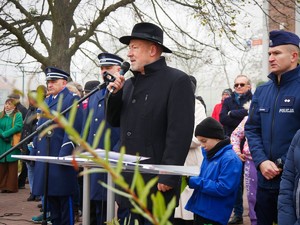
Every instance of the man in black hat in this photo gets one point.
(62, 179)
(273, 121)
(155, 109)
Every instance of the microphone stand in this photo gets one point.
(48, 135)
(45, 202)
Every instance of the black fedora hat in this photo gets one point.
(146, 31)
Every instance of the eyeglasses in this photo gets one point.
(241, 85)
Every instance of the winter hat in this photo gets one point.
(14, 96)
(210, 128)
(90, 85)
(227, 91)
(282, 37)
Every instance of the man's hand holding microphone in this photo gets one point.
(117, 84)
(117, 80)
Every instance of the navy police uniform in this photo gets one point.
(62, 180)
(96, 104)
(273, 121)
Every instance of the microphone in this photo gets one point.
(110, 78)
(124, 68)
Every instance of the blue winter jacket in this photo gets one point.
(289, 194)
(216, 187)
(274, 118)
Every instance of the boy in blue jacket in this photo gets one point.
(216, 186)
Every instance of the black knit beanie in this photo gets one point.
(210, 128)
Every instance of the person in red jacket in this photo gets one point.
(218, 107)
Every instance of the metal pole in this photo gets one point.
(110, 199)
(86, 198)
(265, 63)
(23, 80)
(46, 181)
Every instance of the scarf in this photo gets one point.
(217, 147)
(8, 112)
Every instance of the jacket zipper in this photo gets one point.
(273, 122)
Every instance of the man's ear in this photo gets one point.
(295, 56)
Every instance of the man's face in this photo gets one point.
(55, 86)
(282, 59)
(241, 85)
(110, 69)
(139, 54)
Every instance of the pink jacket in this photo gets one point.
(237, 136)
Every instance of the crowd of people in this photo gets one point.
(251, 140)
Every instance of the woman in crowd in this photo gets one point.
(11, 123)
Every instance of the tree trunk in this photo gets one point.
(62, 19)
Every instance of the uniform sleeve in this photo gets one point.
(68, 145)
(34, 145)
(253, 132)
(286, 201)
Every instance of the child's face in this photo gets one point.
(207, 143)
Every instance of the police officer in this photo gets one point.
(273, 121)
(108, 63)
(62, 180)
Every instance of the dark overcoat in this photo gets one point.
(155, 112)
(233, 111)
(62, 180)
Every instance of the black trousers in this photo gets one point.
(61, 210)
(23, 175)
(98, 210)
(179, 221)
(199, 220)
(266, 206)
